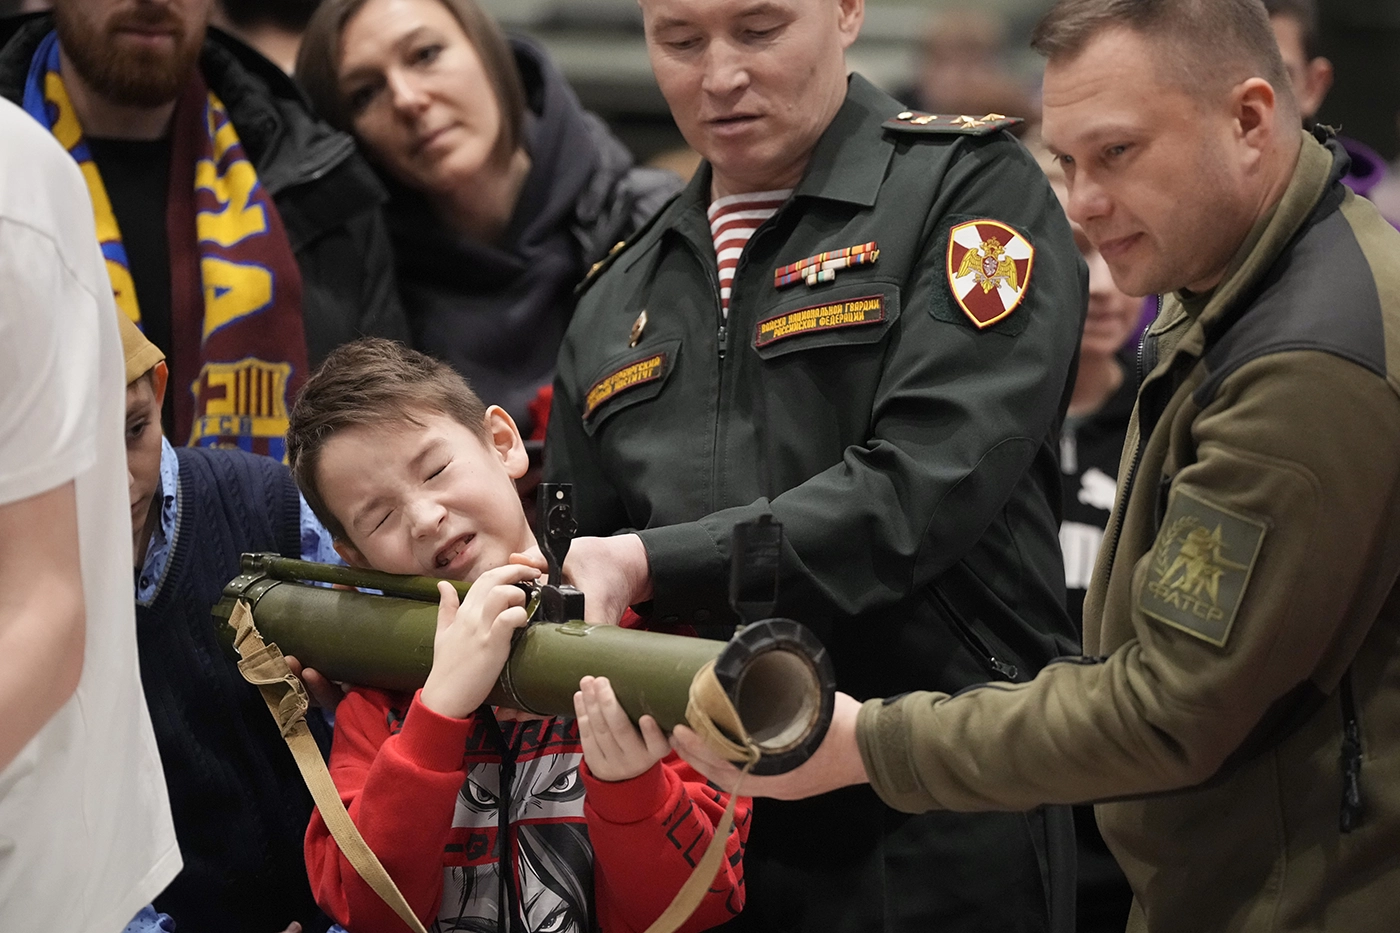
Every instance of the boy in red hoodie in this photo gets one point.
(486, 822)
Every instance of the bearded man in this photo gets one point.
(239, 232)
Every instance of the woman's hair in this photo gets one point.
(318, 64)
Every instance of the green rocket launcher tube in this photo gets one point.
(776, 673)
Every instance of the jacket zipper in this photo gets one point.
(974, 642)
(1122, 508)
(712, 274)
(1353, 809)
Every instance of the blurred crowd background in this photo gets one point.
(939, 55)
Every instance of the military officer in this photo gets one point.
(859, 320)
(1239, 705)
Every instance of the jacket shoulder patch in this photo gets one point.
(989, 269)
(913, 121)
(1201, 565)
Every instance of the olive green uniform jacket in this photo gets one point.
(907, 452)
(1244, 609)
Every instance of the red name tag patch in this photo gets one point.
(628, 377)
(849, 313)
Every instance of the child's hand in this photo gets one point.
(473, 639)
(612, 746)
(323, 692)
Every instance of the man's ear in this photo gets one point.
(351, 554)
(1255, 114)
(850, 16)
(506, 439)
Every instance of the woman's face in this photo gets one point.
(417, 93)
(1113, 316)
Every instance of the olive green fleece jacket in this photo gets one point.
(1240, 696)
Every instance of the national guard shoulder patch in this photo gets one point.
(989, 269)
(628, 376)
(1200, 568)
(912, 121)
(847, 313)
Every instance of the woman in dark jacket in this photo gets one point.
(504, 190)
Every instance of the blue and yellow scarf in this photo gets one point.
(239, 346)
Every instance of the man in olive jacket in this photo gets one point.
(1239, 703)
(883, 374)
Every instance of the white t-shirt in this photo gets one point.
(85, 833)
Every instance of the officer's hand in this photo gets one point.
(473, 639)
(324, 693)
(612, 746)
(835, 764)
(613, 574)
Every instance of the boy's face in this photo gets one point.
(143, 399)
(432, 498)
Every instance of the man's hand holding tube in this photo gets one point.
(835, 764)
(612, 572)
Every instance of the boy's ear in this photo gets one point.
(506, 439)
(160, 377)
(351, 554)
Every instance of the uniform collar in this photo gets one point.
(849, 161)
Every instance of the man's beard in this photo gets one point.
(125, 76)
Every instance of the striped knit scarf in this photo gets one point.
(239, 347)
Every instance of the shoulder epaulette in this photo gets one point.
(912, 121)
(620, 247)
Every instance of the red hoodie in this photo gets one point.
(585, 854)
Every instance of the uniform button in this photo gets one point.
(670, 620)
(702, 615)
(145, 582)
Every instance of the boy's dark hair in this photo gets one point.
(1304, 13)
(372, 381)
(1210, 44)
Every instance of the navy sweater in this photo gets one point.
(238, 800)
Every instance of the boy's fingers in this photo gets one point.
(448, 604)
(507, 573)
(604, 730)
(655, 739)
(618, 722)
(510, 619)
(531, 558)
(586, 737)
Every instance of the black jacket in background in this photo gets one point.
(327, 196)
(497, 313)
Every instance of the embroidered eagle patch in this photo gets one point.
(989, 269)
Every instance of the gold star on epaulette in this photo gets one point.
(912, 121)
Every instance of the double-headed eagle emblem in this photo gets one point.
(990, 265)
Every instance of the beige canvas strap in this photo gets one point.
(263, 666)
(709, 712)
